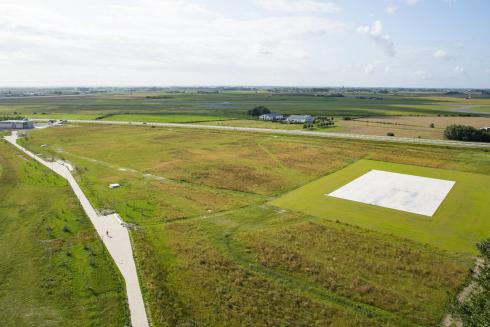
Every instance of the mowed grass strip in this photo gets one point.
(166, 118)
(460, 222)
(54, 270)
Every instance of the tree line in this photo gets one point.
(466, 133)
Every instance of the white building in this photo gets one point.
(300, 119)
(16, 124)
(273, 116)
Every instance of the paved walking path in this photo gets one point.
(113, 232)
(378, 138)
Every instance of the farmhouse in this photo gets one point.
(16, 124)
(300, 119)
(273, 116)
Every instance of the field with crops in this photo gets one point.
(415, 115)
(236, 104)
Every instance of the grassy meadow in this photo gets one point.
(54, 270)
(212, 250)
(459, 223)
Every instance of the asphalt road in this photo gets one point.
(376, 138)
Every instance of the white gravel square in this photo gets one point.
(410, 193)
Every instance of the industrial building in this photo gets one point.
(16, 124)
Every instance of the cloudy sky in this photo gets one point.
(414, 43)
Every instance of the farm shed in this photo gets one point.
(272, 117)
(300, 119)
(16, 124)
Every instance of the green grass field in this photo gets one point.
(460, 222)
(211, 250)
(167, 118)
(54, 270)
(236, 104)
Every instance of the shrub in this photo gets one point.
(347, 118)
(466, 133)
(432, 125)
(16, 116)
(260, 110)
(390, 134)
(475, 311)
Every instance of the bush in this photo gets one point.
(476, 310)
(466, 133)
(14, 117)
(390, 134)
(260, 110)
(347, 118)
(432, 125)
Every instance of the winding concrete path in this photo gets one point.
(113, 232)
(378, 138)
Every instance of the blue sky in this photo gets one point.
(394, 43)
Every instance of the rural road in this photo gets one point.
(300, 133)
(113, 232)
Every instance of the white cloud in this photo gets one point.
(487, 71)
(376, 66)
(151, 34)
(421, 75)
(412, 2)
(459, 45)
(375, 32)
(262, 49)
(440, 54)
(369, 69)
(200, 42)
(299, 6)
(301, 54)
(458, 70)
(391, 8)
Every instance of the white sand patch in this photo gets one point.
(415, 194)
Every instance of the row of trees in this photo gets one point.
(320, 122)
(258, 111)
(14, 117)
(323, 121)
(466, 133)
